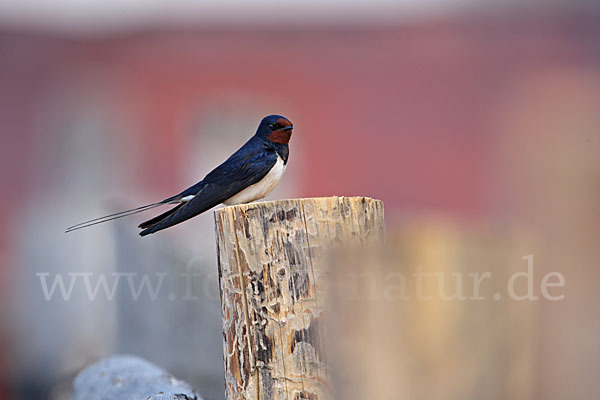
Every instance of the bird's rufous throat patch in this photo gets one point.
(281, 136)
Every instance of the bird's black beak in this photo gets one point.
(285, 128)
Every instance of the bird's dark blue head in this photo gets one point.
(276, 129)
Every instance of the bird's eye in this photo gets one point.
(271, 126)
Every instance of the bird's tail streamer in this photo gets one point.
(110, 217)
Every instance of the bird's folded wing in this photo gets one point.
(241, 170)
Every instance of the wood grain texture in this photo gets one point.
(272, 274)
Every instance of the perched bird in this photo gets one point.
(251, 173)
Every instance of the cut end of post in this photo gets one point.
(325, 201)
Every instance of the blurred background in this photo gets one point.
(477, 122)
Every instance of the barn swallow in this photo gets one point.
(251, 173)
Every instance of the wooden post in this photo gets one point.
(272, 278)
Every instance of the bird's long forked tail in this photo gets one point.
(110, 217)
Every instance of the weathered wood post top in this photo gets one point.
(272, 281)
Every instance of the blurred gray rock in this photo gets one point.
(125, 377)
